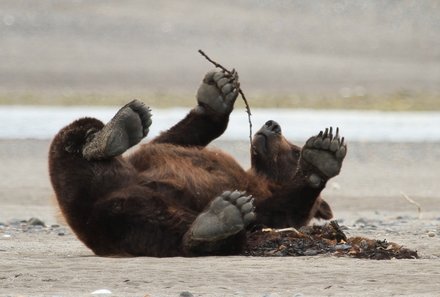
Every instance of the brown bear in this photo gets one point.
(175, 197)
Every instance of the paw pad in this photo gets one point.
(325, 152)
(244, 203)
(219, 91)
(144, 113)
(326, 141)
(227, 215)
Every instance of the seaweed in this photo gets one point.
(328, 239)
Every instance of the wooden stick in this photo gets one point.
(407, 198)
(248, 110)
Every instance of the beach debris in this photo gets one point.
(322, 239)
(186, 294)
(32, 225)
(101, 292)
(407, 198)
(327, 239)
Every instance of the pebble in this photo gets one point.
(186, 294)
(101, 292)
(431, 234)
(32, 225)
(36, 222)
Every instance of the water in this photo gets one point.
(28, 122)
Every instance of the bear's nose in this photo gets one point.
(273, 126)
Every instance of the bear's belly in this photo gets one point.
(190, 175)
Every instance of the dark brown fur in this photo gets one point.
(143, 204)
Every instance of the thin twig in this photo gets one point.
(407, 198)
(290, 229)
(248, 110)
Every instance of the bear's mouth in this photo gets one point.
(259, 144)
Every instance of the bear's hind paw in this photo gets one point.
(227, 215)
(126, 129)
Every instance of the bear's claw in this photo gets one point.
(325, 152)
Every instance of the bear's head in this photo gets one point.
(72, 138)
(272, 155)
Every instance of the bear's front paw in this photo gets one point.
(322, 156)
(218, 92)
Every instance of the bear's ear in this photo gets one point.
(323, 210)
(75, 144)
(72, 147)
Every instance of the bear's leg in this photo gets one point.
(127, 128)
(220, 229)
(298, 201)
(322, 156)
(208, 120)
(138, 221)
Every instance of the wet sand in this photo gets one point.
(366, 198)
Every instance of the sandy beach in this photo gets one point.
(366, 197)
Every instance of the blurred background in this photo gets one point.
(315, 54)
